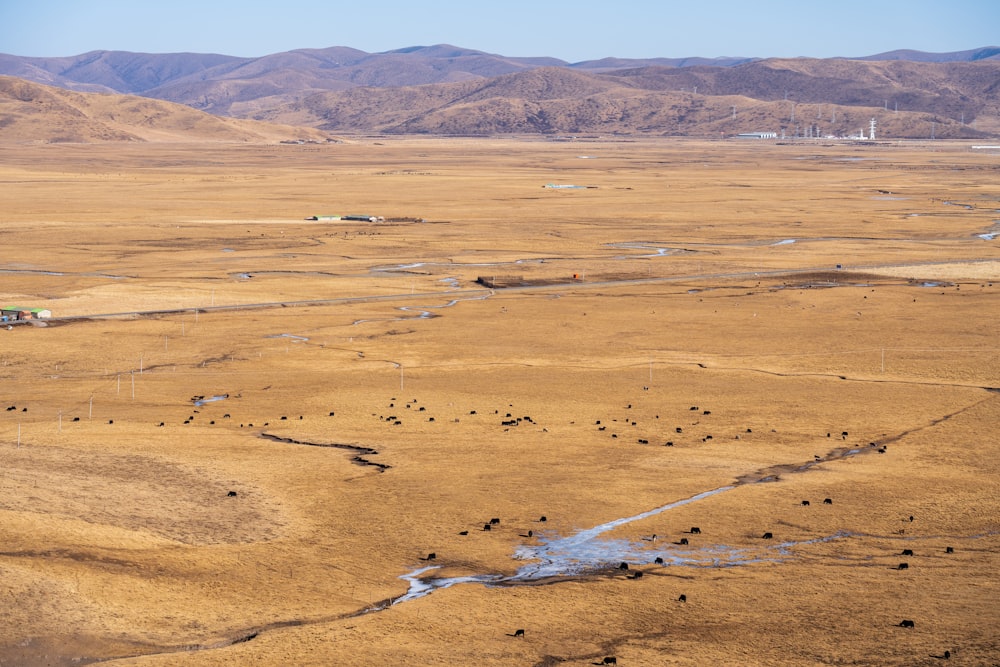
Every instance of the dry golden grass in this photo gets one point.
(120, 539)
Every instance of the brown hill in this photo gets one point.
(31, 112)
(227, 85)
(835, 98)
(452, 90)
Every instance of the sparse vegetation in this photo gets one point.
(316, 409)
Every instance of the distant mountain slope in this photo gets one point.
(31, 112)
(450, 89)
(229, 85)
(972, 55)
(793, 97)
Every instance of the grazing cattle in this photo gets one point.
(949, 550)
(694, 407)
(486, 526)
(623, 566)
(464, 532)
(911, 518)
(906, 623)
(682, 598)
(76, 419)
(614, 435)
(805, 503)
(669, 443)
(329, 415)
(231, 494)
(907, 552)
(542, 518)
(643, 441)
(13, 407)
(707, 412)
(767, 536)
(226, 416)
(947, 655)
(695, 530)
(903, 566)
(284, 417)
(636, 575)
(828, 501)
(111, 421)
(160, 424)
(494, 521)
(707, 437)
(519, 632)
(658, 560)
(610, 660)
(683, 541)
(844, 434)
(430, 556)
(601, 428)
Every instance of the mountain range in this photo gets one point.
(445, 89)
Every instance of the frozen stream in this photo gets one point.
(587, 551)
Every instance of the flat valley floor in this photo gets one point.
(249, 438)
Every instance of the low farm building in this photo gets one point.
(14, 313)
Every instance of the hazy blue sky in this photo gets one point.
(572, 31)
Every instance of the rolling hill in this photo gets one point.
(908, 100)
(445, 89)
(31, 112)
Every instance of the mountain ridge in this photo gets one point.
(445, 89)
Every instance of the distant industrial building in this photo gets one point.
(16, 313)
(757, 135)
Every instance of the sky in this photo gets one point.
(572, 31)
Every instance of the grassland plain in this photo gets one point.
(751, 322)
